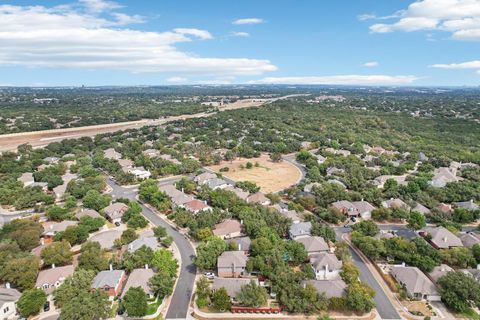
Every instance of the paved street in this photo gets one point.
(182, 294)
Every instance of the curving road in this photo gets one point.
(179, 304)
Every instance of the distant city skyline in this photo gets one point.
(350, 42)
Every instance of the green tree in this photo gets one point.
(160, 232)
(459, 291)
(92, 257)
(94, 200)
(164, 261)
(57, 213)
(350, 272)
(128, 235)
(203, 292)
(162, 284)
(252, 295)
(135, 302)
(31, 302)
(366, 228)
(275, 157)
(21, 272)
(476, 251)
(360, 297)
(78, 301)
(208, 252)
(221, 300)
(57, 253)
(458, 257)
(416, 221)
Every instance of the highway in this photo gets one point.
(179, 303)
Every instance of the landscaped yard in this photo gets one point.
(418, 307)
(269, 176)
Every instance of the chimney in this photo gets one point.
(7, 285)
(444, 239)
(146, 266)
(478, 266)
(111, 267)
(42, 241)
(241, 222)
(53, 265)
(182, 190)
(403, 264)
(361, 200)
(239, 246)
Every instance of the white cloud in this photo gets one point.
(461, 18)
(241, 34)
(371, 64)
(340, 80)
(248, 21)
(100, 5)
(464, 65)
(177, 80)
(67, 37)
(202, 34)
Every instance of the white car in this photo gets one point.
(209, 275)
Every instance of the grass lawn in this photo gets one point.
(470, 314)
(152, 307)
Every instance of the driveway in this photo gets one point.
(180, 301)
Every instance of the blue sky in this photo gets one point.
(361, 42)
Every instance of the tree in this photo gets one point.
(323, 230)
(138, 259)
(208, 252)
(78, 301)
(31, 302)
(275, 157)
(164, 261)
(21, 272)
(371, 247)
(296, 252)
(128, 235)
(366, 228)
(57, 253)
(476, 251)
(350, 272)
(459, 291)
(92, 257)
(459, 257)
(248, 186)
(221, 300)
(135, 302)
(160, 232)
(137, 222)
(94, 200)
(25, 232)
(57, 213)
(203, 292)
(416, 220)
(342, 251)
(252, 295)
(360, 297)
(162, 284)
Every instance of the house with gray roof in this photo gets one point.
(228, 229)
(150, 242)
(110, 281)
(439, 271)
(442, 176)
(468, 205)
(326, 266)
(84, 212)
(239, 192)
(140, 278)
(290, 214)
(441, 238)
(27, 179)
(202, 178)
(469, 239)
(258, 198)
(111, 154)
(474, 273)
(216, 183)
(8, 300)
(421, 208)
(314, 244)
(299, 230)
(364, 208)
(242, 243)
(231, 285)
(50, 279)
(331, 288)
(395, 203)
(416, 283)
(52, 228)
(178, 197)
(232, 264)
(115, 211)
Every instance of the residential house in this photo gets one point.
(442, 176)
(178, 197)
(346, 207)
(8, 300)
(202, 178)
(439, 271)
(380, 180)
(258, 198)
(231, 285)
(150, 242)
(50, 279)
(125, 164)
(195, 206)
(140, 173)
(331, 171)
(228, 229)
(335, 288)
(364, 208)
(395, 204)
(468, 205)
(242, 243)
(300, 230)
(474, 273)
(52, 228)
(51, 160)
(443, 207)
(239, 192)
(168, 157)
(26, 179)
(416, 283)
(421, 208)
(232, 264)
(441, 238)
(326, 266)
(110, 281)
(151, 153)
(216, 183)
(309, 187)
(87, 213)
(338, 183)
(314, 244)
(115, 211)
(112, 154)
(60, 190)
(290, 214)
(470, 239)
(139, 278)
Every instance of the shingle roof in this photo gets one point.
(116, 210)
(331, 288)
(300, 229)
(139, 278)
(258, 197)
(243, 243)
(229, 258)
(150, 242)
(107, 278)
(469, 205)
(54, 228)
(226, 227)
(87, 212)
(50, 276)
(9, 295)
(322, 260)
(415, 281)
(232, 285)
(440, 271)
(470, 239)
(195, 205)
(313, 244)
(442, 238)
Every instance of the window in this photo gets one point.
(6, 310)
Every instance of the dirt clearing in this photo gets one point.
(268, 175)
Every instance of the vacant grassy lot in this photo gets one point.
(268, 175)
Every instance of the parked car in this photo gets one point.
(209, 275)
(46, 306)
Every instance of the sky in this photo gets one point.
(144, 42)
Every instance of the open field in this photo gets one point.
(269, 176)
